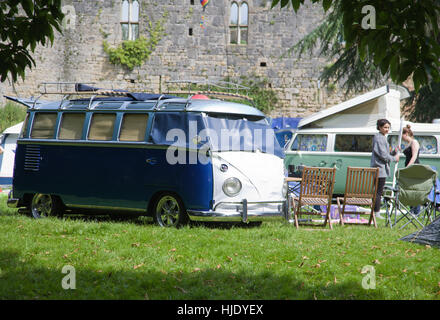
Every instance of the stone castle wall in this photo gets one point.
(78, 54)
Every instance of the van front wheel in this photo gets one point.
(169, 211)
(45, 205)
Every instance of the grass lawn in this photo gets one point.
(134, 259)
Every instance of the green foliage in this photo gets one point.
(11, 114)
(404, 42)
(297, 3)
(134, 53)
(331, 87)
(23, 25)
(356, 73)
(264, 97)
(424, 106)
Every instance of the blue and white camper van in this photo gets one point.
(167, 157)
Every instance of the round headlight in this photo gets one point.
(231, 187)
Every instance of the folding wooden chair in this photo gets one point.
(316, 189)
(360, 190)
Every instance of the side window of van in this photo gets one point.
(71, 126)
(101, 126)
(23, 132)
(133, 127)
(310, 142)
(163, 122)
(428, 144)
(44, 125)
(353, 143)
(393, 140)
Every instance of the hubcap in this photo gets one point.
(42, 205)
(168, 211)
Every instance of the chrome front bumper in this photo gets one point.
(243, 213)
(12, 203)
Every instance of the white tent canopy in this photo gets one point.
(8, 142)
(14, 129)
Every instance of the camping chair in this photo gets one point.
(413, 188)
(316, 189)
(360, 190)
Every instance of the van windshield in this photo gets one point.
(219, 132)
(241, 133)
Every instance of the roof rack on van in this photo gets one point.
(229, 86)
(68, 89)
(225, 94)
(79, 88)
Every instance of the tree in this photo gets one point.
(424, 106)
(23, 25)
(399, 37)
(354, 74)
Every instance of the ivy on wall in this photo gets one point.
(265, 98)
(134, 53)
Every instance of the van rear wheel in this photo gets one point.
(45, 205)
(169, 211)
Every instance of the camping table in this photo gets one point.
(292, 190)
(292, 179)
(295, 188)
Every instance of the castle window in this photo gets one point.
(130, 20)
(238, 23)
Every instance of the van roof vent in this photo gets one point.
(140, 105)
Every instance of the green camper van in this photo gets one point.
(341, 148)
(341, 136)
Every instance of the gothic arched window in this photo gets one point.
(239, 22)
(130, 19)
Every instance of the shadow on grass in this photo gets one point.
(144, 220)
(27, 281)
